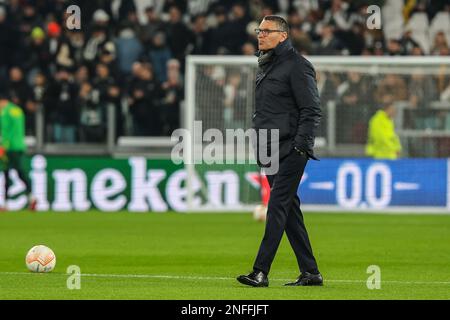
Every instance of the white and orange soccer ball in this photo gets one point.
(40, 259)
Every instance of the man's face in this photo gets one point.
(16, 75)
(174, 15)
(150, 15)
(391, 111)
(271, 39)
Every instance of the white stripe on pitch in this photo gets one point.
(177, 277)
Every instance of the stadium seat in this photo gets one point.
(392, 19)
(393, 6)
(419, 25)
(441, 22)
(394, 29)
(418, 22)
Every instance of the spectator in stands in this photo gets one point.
(358, 39)
(152, 26)
(108, 58)
(159, 55)
(172, 96)
(39, 98)
(394, 48)
(81, 74)
(337, 16)
(54, 42)
(444, 51)
(92, 114)
(235, 101)
(71, 48)
(329, 44)
(394, 85)
(440, 42)
(383, 142)
(237, 28)
(29, 19)
(409, 45)
(145, 94)
(38, 58)
(100, 20)
(248, 49)
(211, 93)
(95, 44)
(178, 35)
(327, 83)
(107, 93)
(417, 51)
(301, 41)
(62, 110)
(93, 99)
(180, 4)
(220, 33)
(118, 9)
(40, 87)
(129, 50)
(295, 19)
(378, 49)
(6, 44)
(255, 9)
(200, 36)
(132, 22)
(353, 108)
(422, 91)
(21, 94)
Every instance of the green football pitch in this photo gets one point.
(197, 256)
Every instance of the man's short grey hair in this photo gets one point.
(280, 22)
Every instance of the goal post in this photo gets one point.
(219, 186)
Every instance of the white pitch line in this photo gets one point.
(149, 276)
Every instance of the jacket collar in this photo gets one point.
(283, 47)
(280, 49)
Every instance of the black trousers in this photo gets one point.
(284, 215)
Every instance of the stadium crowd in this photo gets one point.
(131, 54)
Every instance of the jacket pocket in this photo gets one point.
(271, 121)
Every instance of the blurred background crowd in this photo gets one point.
(131, 55)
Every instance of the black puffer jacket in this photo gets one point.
(287, 99)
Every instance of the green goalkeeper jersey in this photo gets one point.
(12, 128)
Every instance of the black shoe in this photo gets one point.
(307, 279)
(254, 279)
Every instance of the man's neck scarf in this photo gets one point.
(265, 58)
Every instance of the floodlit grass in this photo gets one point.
(197, 256)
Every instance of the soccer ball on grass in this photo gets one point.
(40, 259)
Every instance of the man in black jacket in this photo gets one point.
(287, 99)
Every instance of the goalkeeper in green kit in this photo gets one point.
(12, 147)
